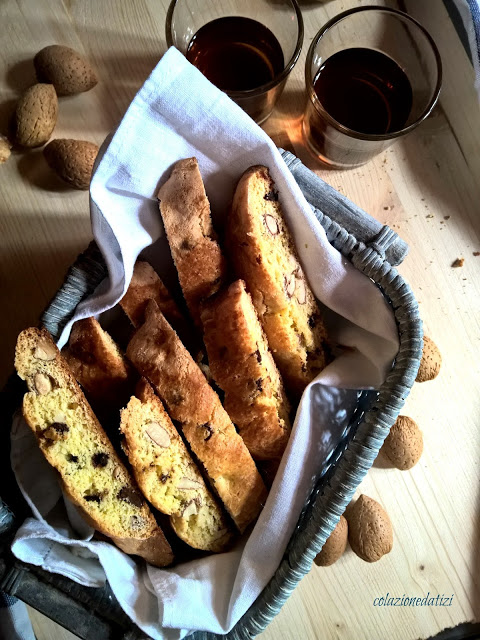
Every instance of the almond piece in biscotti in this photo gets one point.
(43, 384)
(158, 434)
(72, 160)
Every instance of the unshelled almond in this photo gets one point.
(36, 115)
(431, 361)
(404, 444)
(67, 70)
(72, 160)
(334, 546)
(370, 531)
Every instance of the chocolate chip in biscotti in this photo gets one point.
(94, 497)
(164, 477)
(55, 431)
(271, 195)
(100, 459)
(131, 496)
(72, 458)
(208, 430)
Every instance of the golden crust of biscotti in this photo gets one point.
(99, 366)
(186, 217)
(73, 442)
(158, 354)
(242, 365)
(167, 474)
(147, 285)
(264, 255)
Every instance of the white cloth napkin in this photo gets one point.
(179, 114)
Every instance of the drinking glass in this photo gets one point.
(387, 31)
(282, 17)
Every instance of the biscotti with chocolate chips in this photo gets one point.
(264, 255)
(99, 366)
(147, 285)
(73, 442)
(158, 354)
(185, 211)
(242, 365)
(167, 474)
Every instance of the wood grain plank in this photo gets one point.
(425, 187)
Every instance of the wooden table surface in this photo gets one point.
(426, 187)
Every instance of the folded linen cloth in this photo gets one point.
(178, 114)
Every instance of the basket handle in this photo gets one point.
(326, 201)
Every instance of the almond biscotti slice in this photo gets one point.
(186, 217)
(99, 366)
(167, 475)
(264, 255)
(147, 285)
(242, 365)
(158, 354)
(73, 442)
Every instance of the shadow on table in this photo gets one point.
(29, 279)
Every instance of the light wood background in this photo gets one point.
(426, 187)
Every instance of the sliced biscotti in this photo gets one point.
(147, 285)
(188, 224)
(242, 365)
(74, 443)
(264, 255)
(97, 363)
(158, 354)
(167, 475)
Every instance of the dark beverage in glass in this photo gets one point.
(247, 48)
(372, 75)
(236, 54)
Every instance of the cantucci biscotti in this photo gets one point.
(243, 367)
(185, 211)
(264, 255)
(147, 285)
(158, 354)
(167, 474)
(101, 369)
(73, 442)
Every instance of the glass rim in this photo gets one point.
(268, 85)
(351, 132)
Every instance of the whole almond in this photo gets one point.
(370, 531)
(5, 147)
(158, 434)
(404, 444)
(334, 546)
(430, 362)
(36, 115)
(67, 70)
(72, 160)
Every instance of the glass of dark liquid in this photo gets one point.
(372, 75)
(247, 48)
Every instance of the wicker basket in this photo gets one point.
(94, 613)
